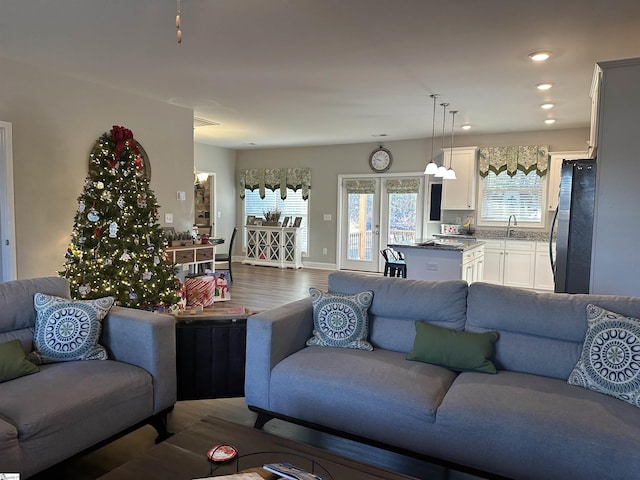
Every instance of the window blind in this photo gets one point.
(503, 195)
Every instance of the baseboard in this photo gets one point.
(319, 265)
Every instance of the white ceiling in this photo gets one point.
(314, 72)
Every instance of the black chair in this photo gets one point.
(226, 257)
(394, 264)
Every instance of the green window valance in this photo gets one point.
(360, 186)
(525, 158)
(403, 185)
(276, 178)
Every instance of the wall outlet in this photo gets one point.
(327, 217)
(324, 251)
(168, 218)
(182, 196)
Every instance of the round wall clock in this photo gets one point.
(380, 160)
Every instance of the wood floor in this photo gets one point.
(258, 288)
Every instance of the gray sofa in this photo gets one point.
(523, 422)
(68, 407)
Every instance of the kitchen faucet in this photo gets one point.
(515, 224)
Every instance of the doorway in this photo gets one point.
(375, 211)
(8, 270)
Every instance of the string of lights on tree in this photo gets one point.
(117, 245)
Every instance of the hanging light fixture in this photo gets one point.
(442, 169)
(432, 167)
(450, 174)
(179, 32)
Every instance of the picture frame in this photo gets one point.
(285, 222)
(297, 222)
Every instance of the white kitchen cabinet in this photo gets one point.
(519, 264)
(543, 277)
(460, 194)
(473, 265)
(493, 266)
(555, 168)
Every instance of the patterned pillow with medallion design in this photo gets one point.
(610, 358)
(340, 320)
(68, 330)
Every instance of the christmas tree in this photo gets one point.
(117, 245)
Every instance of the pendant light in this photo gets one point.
(442, 169)
(432, 167)
(450, 174)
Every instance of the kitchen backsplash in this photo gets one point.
(501, 233)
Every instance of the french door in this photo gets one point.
(376, 211)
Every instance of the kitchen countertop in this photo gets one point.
(456, 244)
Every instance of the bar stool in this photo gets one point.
(394, 265)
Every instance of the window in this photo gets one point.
(521, 195)
(293, 206)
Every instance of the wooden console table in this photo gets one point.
(193, 255)
(273, 246)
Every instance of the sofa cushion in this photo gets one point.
(9, 448)
(399, 302)
(527, 426)
(540, 333)
(68, 330)
(13, 363)
(340, 320)
(73, 405)
(610, 359)
(364, 393)
(454, 349)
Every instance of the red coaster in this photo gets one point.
(222, 453)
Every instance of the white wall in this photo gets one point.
(56, 120)
(222, 162)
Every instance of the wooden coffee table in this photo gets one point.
(183, 456)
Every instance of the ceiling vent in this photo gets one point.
(203, 122)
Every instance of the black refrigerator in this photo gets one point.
(573, 221)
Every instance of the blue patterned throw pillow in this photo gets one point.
(340, 320)
(68, 330)
(610, 359)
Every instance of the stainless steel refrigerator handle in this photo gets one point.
(551, 230)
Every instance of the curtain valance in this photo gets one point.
(403, 185)
(276, 178)
(525, 158)
(360, 186)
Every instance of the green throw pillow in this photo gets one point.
(454, 349)
(12, 361)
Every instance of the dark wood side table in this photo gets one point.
(210, 353)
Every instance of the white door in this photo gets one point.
(360, 224)
(377, 211)
(8, 269)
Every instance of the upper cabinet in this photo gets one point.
(460, 194)
(555, 169)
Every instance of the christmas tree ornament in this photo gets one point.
(156, 260)
(93, 215)
(108, 261)
(125, 257)
(136, 268)
(84, 289)
(142, 202)
(150, 249)
(113, 230)
(136, 240)
(106, 196)
(120, 201)
(147, 275)
(138, 163)
(97, 232)
(81, 207)
(133, 295)
(81, 240)
(99, 185)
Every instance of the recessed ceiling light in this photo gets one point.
(547, 106)
(466, 127)
(539, 56)
(550, 121)
(544, 86)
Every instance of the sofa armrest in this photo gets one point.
(271, 337)
(147, 340)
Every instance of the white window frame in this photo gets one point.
(521, 223)
(304, 230)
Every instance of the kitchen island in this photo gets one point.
(444, 259)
